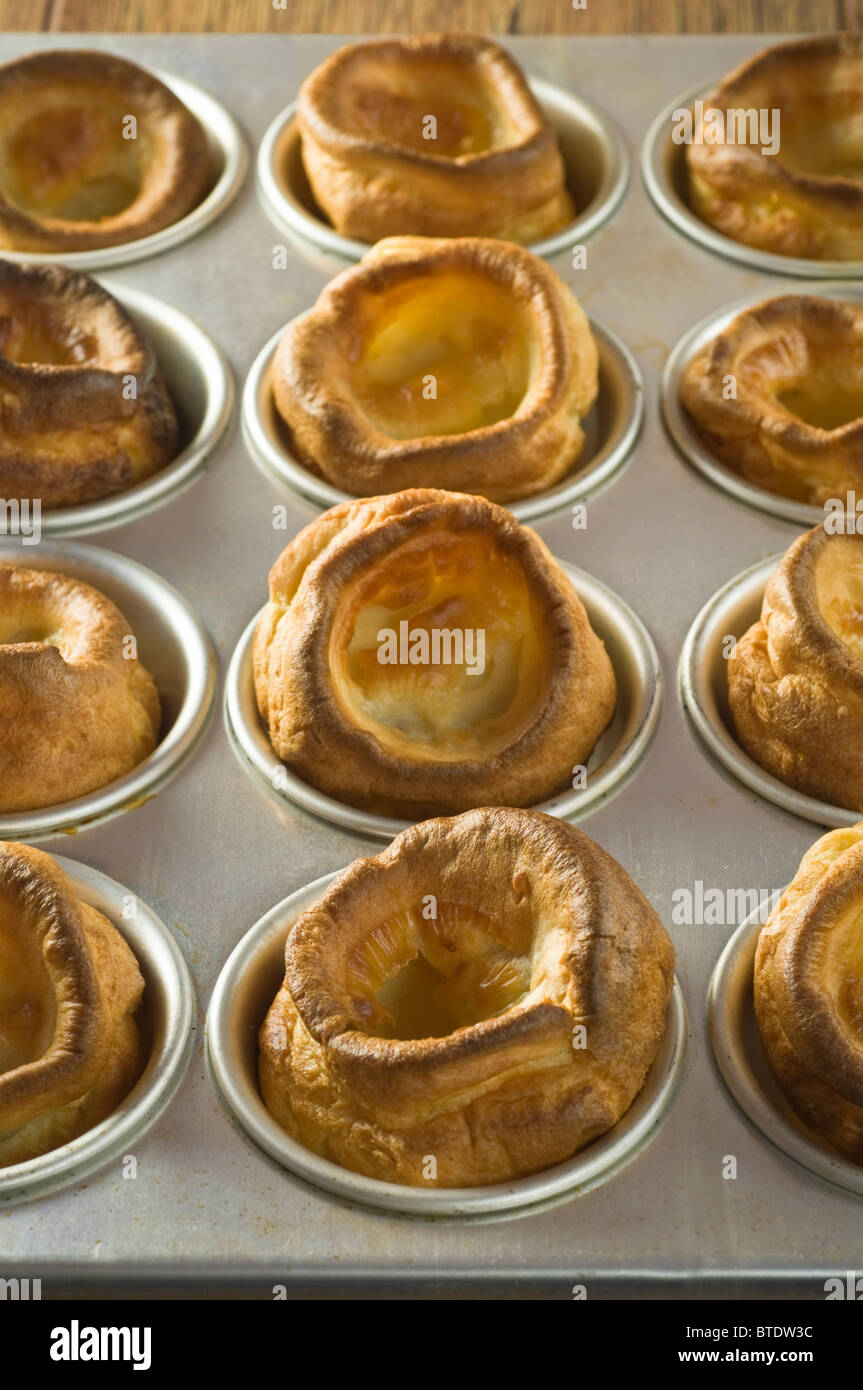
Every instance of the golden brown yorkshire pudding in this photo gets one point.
(795, 426)
(69, 987)
(422, 653)
(809, 991)
(795, 680)
(77, 710)
(84, 410)
(806, 199)
(466, 364)
(438, 135)
(476, 1003)
(94, 152)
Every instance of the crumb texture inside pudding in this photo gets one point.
(69, 160)
(464, 330)
(443, 583)
(839, 590)
(27, 1004)
(413, 978)
(30, 334)
(391, 101)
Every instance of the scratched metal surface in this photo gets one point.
(212, 853)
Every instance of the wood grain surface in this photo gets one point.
(387, 16)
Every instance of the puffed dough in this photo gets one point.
(492, 168)
(77, 708)
(466, 364)
(75, 174)
(809, 991)
(70, 1049)
(795, 679)
(497, 1037)
(428, 738)
(793, 422)
(807, 198)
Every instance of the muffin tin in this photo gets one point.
(615, 759)
(216, 849)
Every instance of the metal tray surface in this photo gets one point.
(611, 429)
(617, 756)
(214, 851)
(594, 155)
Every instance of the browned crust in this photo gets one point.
(176, 179)
(312, 733)
(94, 1056)
(71, 434)
(796, 689)
(374, 188)
(509, 1095)
(513, 458)
(73, 717)
(815, 1056)
(757, 199)
(763, 349)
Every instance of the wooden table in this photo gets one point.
(484, 16)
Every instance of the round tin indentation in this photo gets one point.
(615, 759)
(594, 155)
(740, 1057)
(246, 987)
(703, 675)
(611, 427)
(663, 169)
(201, 386)
(230, 156)
(168, 1015)
(682, 428)
(173, 646)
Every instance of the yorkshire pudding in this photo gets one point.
(806, 199)
(84, 410)
(438, 135)
(422, 653)
(795, 426)
(466, 364)
(795, 680)
(77, 709)
(476, 1003)
(809, 991)
(94, 152)
(70, 1050)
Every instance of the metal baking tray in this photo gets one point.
(215, 851)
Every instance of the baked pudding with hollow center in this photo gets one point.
(422, 653)
(806, 197)
(434, 135)
(809, 991)
(473, 1005)
(77, 709)
(70, 986)
(795, 679)
(84, 409)
(94, 152)
(466, 364)
(793, 422)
